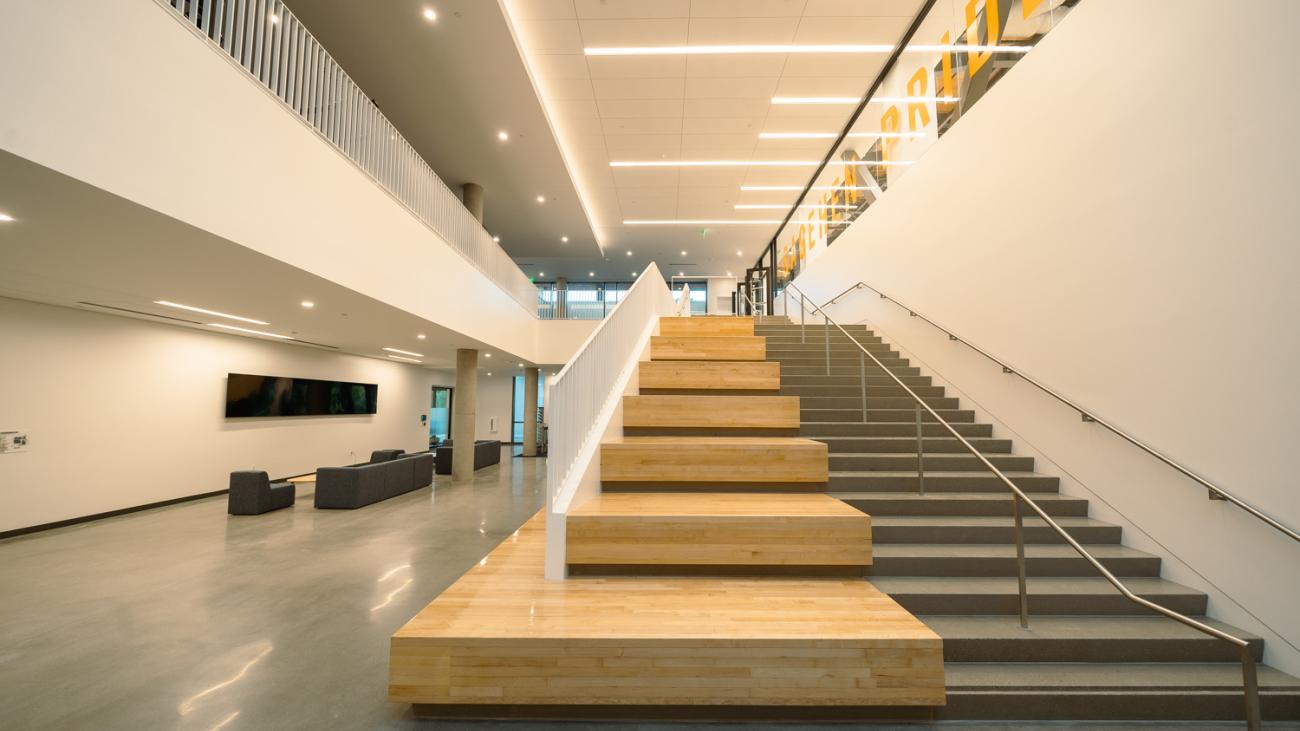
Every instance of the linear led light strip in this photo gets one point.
(404, 352)
(795, 48)
(800, 187)
(404, 359)
(696, 222)
(744, 163)
(857, 99)
(214, 313)
(263, 333)
(833, 135)
(778, 206)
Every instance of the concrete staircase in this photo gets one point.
(949, 557)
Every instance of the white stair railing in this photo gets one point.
(584, 396)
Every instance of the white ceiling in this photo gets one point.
(677, 107)
(73, 243)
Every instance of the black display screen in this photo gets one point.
(249, 395)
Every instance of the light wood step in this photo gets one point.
(718, 529)
(713, 459)
(706, 326)
(686, 375)
(722, 412)
(503, 638)
(707, 347)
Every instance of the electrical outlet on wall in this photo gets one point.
(13, 441)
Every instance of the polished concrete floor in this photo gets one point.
(186, 618)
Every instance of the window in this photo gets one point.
(699, 294)
(440, 415)
(517, 410)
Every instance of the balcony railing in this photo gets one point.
(276, 49)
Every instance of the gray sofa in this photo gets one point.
(253, 493)
(487, 452)
(389, 473)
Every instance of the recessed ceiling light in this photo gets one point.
(497, 239)
(308, 304)
(541, 199)
(739, 252)
(405, 352)
(503, 135)
(541, 274)
(6, 218)
(420, 336)
(728, 274)
(683, 253)
(591, 274)
(405, 360)
(564, 239)
(250, 332)
(629, 253)
(489, 373)
(200, 310)
(681, 274)
(430, 15)
(487, 355)
(694, 222)
(634, 274)
(521, 365)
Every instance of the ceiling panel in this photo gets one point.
(668, 107)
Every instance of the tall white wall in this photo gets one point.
(1117, 219)
(123, 412)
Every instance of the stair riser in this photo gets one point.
(995, 566)
(930, 445)
(819, 369)
(824, 432)
(877, 402)
(938, 482)
(995, 535)
(838, 361)
(974, 507)
(845, 349)
(890, 415)
(936, 462)
(854, 391)
(853, 380)
(1112, 604)
(1102, 705)
(1100, 649)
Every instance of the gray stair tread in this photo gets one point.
(938, 455)
(1066, 627)
(1081, 585)
(1001, 550)
(975, 521)
(1003, 496)
(1100, 676)
(935, 473)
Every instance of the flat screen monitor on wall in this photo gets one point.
(249, 395)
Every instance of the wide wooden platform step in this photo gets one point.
(708, 347)
(712, 412)
(502, 641)
(713, 460)
(723, 376)
(717, 533)
(706, 326)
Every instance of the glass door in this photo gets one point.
(440, 416)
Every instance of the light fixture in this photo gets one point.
(779, 206)
(496, 239)
(420, 336)
(739, 252)
(783, 48)
(634, 274)
(489, 373)
(404, 359)
(728, 274)
(521, 365)
(683, 253)
(541, 199)
(200, 310)
(250, 332)
(503, 135)
(816, 99)
(681, 274)
(487, 355)
(541, 274)
(564, 239)
(430, 15)
(591, 274)
(698, 222)
(307, 304)
(800, 187)
(629, 253)
(405, 352)
(913, 99)
(833, 135)
(710, 163)
(6, 218)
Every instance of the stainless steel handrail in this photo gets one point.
(1216, 492)
(1248, 672)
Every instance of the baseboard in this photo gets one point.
(110, 514)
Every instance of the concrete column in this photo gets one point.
(472, 195)
(530, 412)
(561, 298)
(463, 427)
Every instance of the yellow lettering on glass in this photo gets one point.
(1027, 7)
(889, 122)
(916, 86)
(945, 61)
(993, 26)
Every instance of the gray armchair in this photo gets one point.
(253, 493)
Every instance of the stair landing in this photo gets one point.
(503, 636)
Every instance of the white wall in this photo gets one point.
(123, 412)
(1122, 226)
(495, 399)
(124, 97)
(720, 291)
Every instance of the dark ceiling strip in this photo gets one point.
(862, 105)
(308, 342)
(138, 312)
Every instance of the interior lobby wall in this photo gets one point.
(123, 412)
(1121, 226)
(495, 399)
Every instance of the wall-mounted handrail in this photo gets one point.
(1216, 492)
(1248, 671)
(277, 50)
